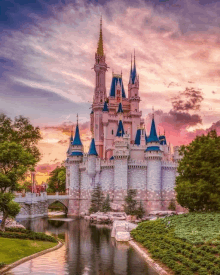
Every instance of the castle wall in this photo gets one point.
(107, 181)
(154, 184)
(137, 179)
(168, 184)
(120, 180)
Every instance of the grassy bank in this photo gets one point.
(12, 250)
(187, 244)
(17, 243)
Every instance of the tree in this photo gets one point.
(9, 207)
(172, 205)
(18, 154)
(96, 199)
(130, 202)
(140, 211)
(198, 182)
(57, 179)
(106, 204)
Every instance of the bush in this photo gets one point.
(2, 264)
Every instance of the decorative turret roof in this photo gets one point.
(120, 110)
(153, 148)
(146, 139)
(153, 133)
(105, 108)
(100, 50)
(138, 137)
(92, 149)
(77, 140)
(112, 157)
(115, 80)
(120, 131)
(162, 140)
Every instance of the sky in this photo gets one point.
(47, 50)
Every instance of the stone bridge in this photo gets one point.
(36, 205)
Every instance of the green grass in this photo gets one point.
(12, 250)
(196, 228)
(188, 244)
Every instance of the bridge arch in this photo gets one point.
(64, 203)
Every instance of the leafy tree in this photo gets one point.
(106, 204)
(198, 182)
(57, 180)
(18, 154)
(172, 205)
(9, 207)
(130, 202)
(26, 185)
(140, 211)
(97, 198)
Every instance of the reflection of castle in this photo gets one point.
(121, 155)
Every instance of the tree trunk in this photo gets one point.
(5, 216)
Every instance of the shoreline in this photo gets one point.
(30, 257)
(152, 263)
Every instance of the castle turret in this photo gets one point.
(153, 155)
(92, 154)
(99, 97)
(74, 159)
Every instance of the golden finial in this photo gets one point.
(100, 50)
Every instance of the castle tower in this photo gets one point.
(74, 159)
(92, 154)
(153, 155)
(134, 99)
(120, 154)
(99, 97)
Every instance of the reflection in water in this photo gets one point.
(88, 250)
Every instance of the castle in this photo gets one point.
(121, 156)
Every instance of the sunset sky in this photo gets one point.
(47, 50)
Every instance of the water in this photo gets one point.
(88, 250)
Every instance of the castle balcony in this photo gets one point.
(107, 164)
(137, 164)
(134, 113)
(169, 165)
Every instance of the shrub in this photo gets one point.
(2, 264)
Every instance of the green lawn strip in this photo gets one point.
(12, 250)
(181, 255)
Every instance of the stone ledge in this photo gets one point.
(148, 259)
(23, 260)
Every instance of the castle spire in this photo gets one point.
(77, 140)
(130, 80)
(153, 133)
(134, 70)
(92, 149)
(100, 50)
(120, 131)
(71, 135)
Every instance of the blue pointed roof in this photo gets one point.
(153, 148)
(112, 157)
(92, 149)
(76, 154)
(146, 139)
(134, 73)
(162, 140)
(138, 137)
(71, 136)
(105, 108)
(120, 131)
(91, 112)
(77, 140)
(130, 71)
(115, 80)
(153, 133)
(120, 110)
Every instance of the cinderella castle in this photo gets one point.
(122, 155)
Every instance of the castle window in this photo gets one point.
(112, 132)
(101, 100)
(135, 94)
(136, 110)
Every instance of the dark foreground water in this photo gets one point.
(88, 250)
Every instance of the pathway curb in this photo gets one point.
(23, 260)
(148, 259)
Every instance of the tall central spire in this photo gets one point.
(100, 50)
